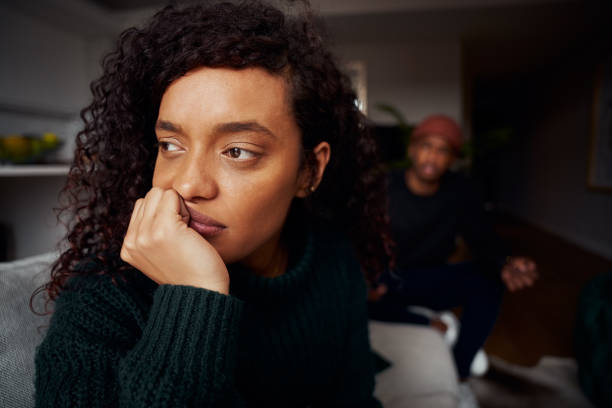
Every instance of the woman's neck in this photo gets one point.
(270, 260)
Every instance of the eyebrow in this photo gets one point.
(236, 127)
(229, 127)
(169, 126)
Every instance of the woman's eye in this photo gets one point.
(239, 154)
(168, 147)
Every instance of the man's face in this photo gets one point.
(230, 147)
(431, 157)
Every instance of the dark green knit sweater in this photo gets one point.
(297, 340)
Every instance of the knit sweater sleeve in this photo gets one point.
(102, 349)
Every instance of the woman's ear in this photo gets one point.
(312, 174)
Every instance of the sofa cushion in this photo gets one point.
(422, 372)
(20, 329)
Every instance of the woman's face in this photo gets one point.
(230, 147)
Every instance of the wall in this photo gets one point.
(544, 181)
(409, 65)
(418, 78)
(27, 207)
(44, 82)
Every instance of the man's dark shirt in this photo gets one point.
(425, 228)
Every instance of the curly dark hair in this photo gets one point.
(116, 150)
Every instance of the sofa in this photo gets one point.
(421, 374)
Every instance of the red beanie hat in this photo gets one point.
(440, 125)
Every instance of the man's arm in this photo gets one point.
(516, 272)
(477, 229)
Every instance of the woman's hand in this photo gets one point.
(161, 245)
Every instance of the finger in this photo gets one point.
(139, 217)
(134, 219)
(513, 284)
(510, 273)
(134, 222)
(504, 276)
(520, 265)
(149, 222)
(517, 282)
(141, 208)
(528, 265)
(529, 280)
(184, 213)
(173, 204)
(128, 239)
(151, 204)
(521, 283)
(517, 263)
(519, 278)
(522, 272)
(510, 285)
(131, 233)
(532, 274)
(125, 254)
(507, 279)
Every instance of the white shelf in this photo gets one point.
(33, 170)
(44, 112)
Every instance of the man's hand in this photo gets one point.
(374, 294)
(438, 324)
(518, 273)
(161, 245)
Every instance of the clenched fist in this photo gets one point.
(161, 245)
(519, 273)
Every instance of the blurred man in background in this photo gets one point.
(430, 208)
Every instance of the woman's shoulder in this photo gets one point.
(81, 290)
(97, 306)
(105, 281)
(335, 248)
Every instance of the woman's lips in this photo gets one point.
(203, 224)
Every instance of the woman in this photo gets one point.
(222, 168)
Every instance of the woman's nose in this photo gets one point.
(196, 180)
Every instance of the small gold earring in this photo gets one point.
(312, 189)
